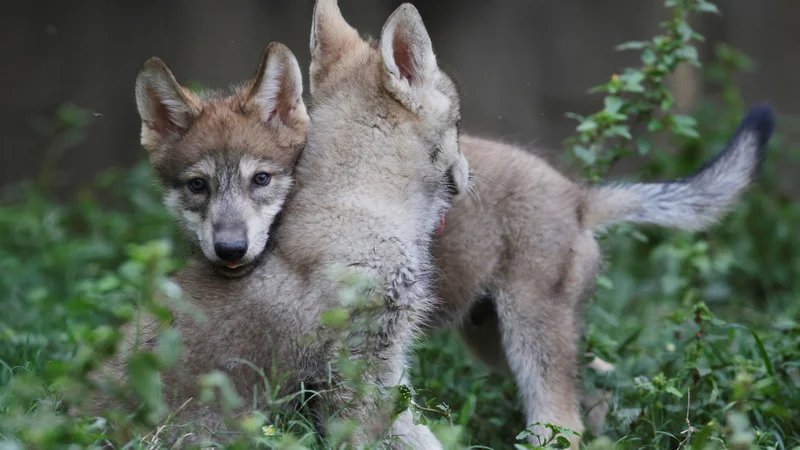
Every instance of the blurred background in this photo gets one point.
(521, 64)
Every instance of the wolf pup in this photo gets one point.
(379, 169)
(226, 165)
(523, 243)
(517, 259)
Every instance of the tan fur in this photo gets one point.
(478, 237)
(379, 169)
(518, 239)
(371, 184)
(524, 238)
(523, 241)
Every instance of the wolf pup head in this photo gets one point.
(226, 162)
(390, 101)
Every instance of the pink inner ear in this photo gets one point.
(283, 102)
(162, 121)
(402, 57)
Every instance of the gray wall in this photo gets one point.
(520, 63)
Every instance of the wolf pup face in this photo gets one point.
(225, 161)
(389, 95)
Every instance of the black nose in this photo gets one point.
(230, 251)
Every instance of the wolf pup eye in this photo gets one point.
(261, 179)
(197, 185)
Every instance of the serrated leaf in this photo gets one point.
(632, 81)
(648, 57)
(612, 105)
(643, 145)
(688, 53)
(672, 390)
(619, 130)
(632, 45)
(639, 236)
(524, 434)
(684, 30)
(684, 125)
(605, 282)
(560, 442)
(707, 7)
(627, 415)
(684, 120)
(402, 399)
(584, 154)
(587, 125)
(654, 125)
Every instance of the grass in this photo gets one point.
(701, 340)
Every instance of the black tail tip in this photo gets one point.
(761, 120)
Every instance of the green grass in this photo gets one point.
(708, 315)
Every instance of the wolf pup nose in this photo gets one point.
(230, 247)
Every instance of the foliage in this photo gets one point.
(704, 335)
(640, 95)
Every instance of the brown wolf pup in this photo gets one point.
(226, 164)
(379, 169)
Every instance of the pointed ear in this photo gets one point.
(276, 92)
(331, 36)
(166, 108)
(409, 63)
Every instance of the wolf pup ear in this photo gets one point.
(276, 92)
(331, 36)
(409, 63)
(166, 108)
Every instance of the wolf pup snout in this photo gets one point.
(230, 244)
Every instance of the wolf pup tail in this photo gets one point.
(697, 201)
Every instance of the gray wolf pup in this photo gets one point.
(524, 244)
(379, 169)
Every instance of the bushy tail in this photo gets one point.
(695, 202)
